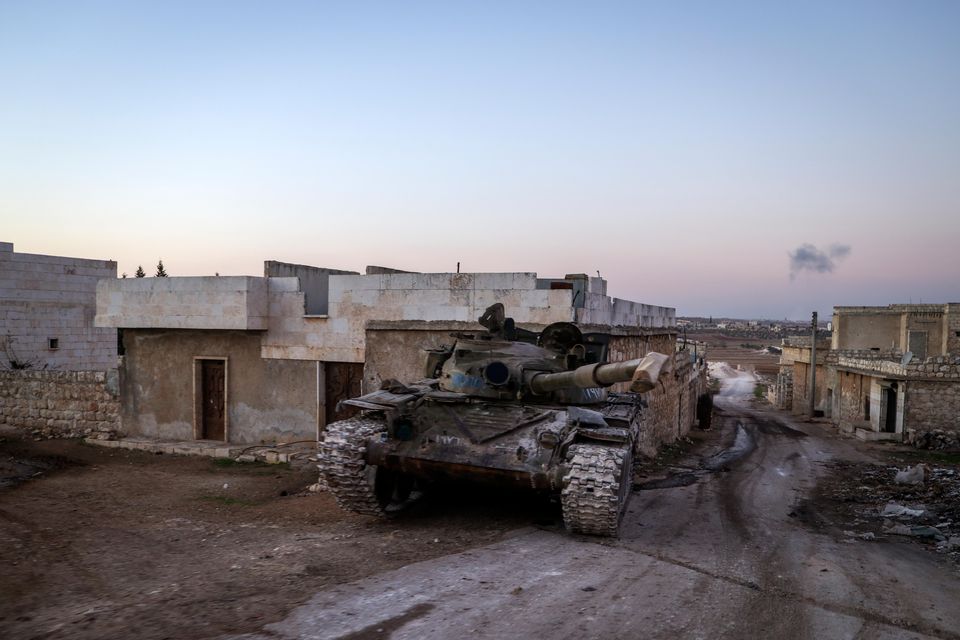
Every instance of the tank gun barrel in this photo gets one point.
(641, 373)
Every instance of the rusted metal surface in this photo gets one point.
(508, 407)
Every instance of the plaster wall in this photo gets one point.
(267, 400)
(227, 302)
(314, 282)
(428, 297)
(880, 330)
(44, 297)
(801, 388)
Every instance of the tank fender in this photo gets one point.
(580, 417)
(587, 424)
(608, 434)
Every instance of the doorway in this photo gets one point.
(342, 381)
(890, 405)
(210, 398)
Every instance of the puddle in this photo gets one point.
(743, 444)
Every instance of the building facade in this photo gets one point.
(889, 373)
(262, 360)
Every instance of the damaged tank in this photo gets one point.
(506, 406)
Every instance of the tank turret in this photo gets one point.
(559, 363)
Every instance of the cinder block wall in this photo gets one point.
(61, 404)
(52, 297)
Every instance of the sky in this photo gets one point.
(737, 159)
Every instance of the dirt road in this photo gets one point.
(106, 543)
(724, 549)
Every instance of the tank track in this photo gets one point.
(341, 456)
(594, 493)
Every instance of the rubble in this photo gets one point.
(912, 475)
(870, 499)
(938, 440)
(893, 509)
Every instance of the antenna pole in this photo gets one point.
(813, 366)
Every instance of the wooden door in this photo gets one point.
(343, 381)
(212, 376)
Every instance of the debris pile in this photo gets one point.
(937, 439)
(920, 503)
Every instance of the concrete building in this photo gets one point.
(267, 359)
(47, 305)
(888, 373)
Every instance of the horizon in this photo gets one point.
(740, 161)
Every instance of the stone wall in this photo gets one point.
(939, 367)
(952, 335)
(854, 398)
(931, 407)
(61, 404)
(53, 298)
(780, 392)
(671, 410)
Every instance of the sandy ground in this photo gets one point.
(105, 543)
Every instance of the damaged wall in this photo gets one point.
(855, 404)
(267, 400)
(61, 404)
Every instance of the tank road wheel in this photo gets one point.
(356, 485)
(596, 488)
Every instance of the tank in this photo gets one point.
(505, 406)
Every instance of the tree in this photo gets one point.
(161, 273)
(123, 275)
(140, 272)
